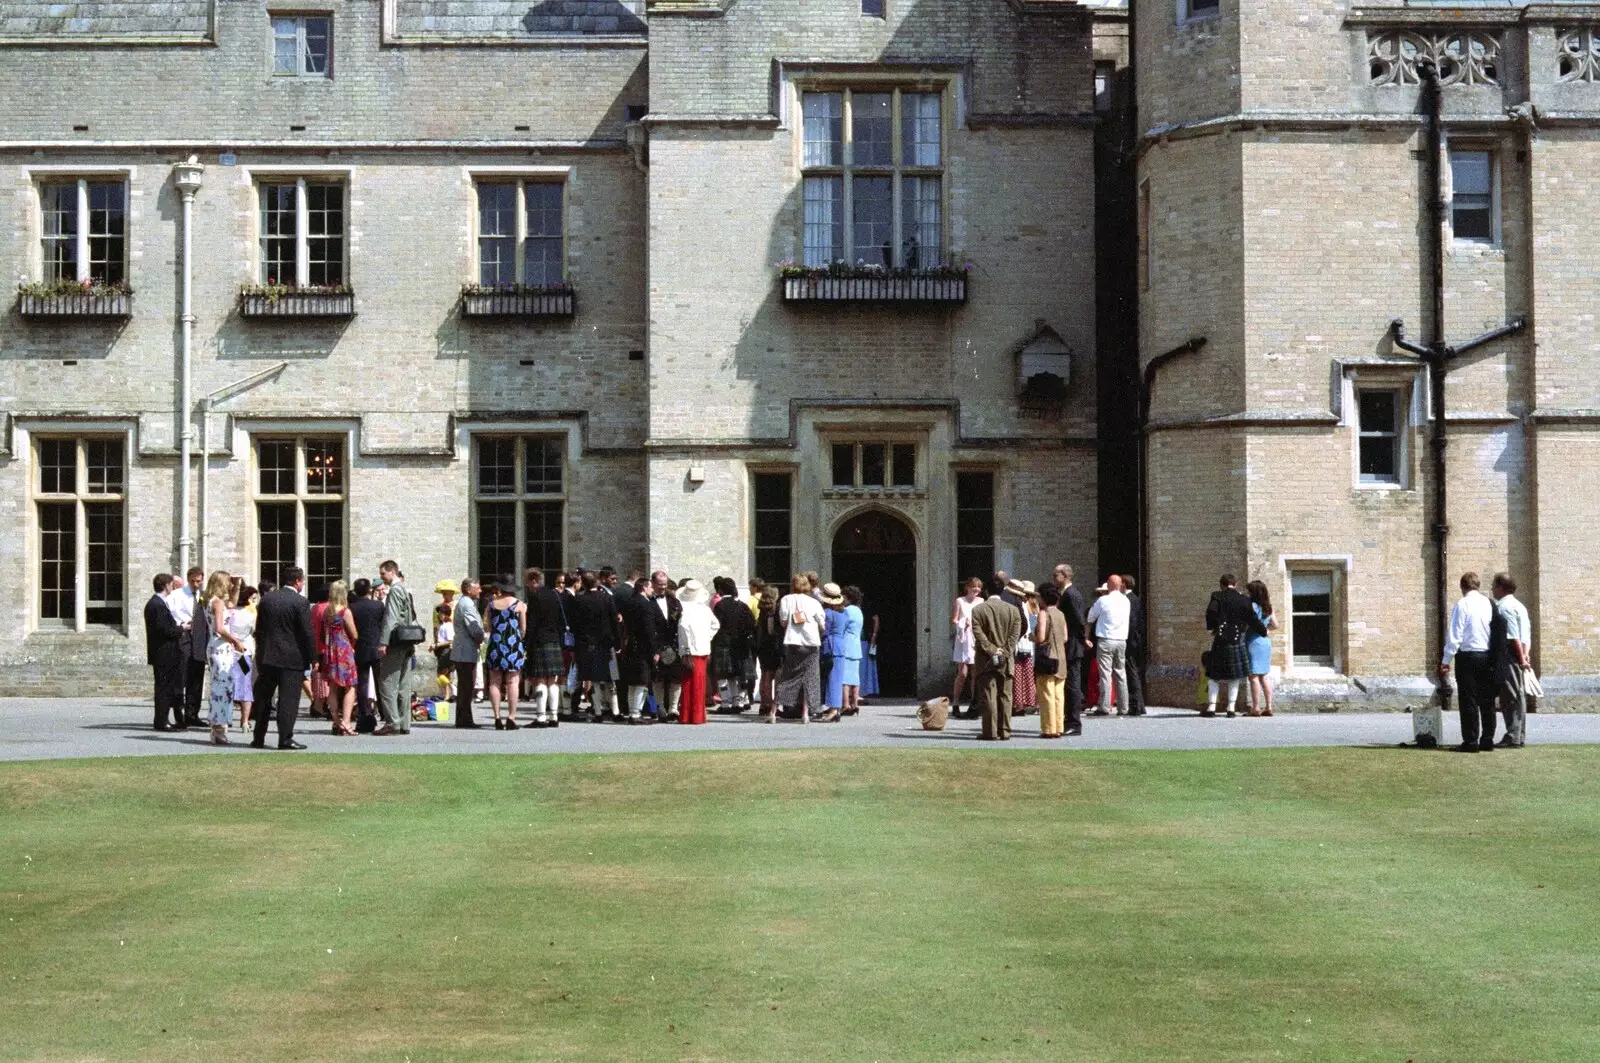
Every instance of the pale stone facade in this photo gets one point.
(673, 134)
(1282, 180)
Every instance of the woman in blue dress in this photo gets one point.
(869, 651)
(1260, 649)
(832, 641)
(847, 654)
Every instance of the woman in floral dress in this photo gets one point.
(506, 621)
(339, 663)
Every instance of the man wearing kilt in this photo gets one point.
(543, 665)
(1230, 618)
(593, 618)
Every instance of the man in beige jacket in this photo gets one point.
(996, 627)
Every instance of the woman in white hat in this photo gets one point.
(696, 629)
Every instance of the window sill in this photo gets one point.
(298, 304)
(1312, 671)
(889, 289)
(63, 307)
(551, 301)
(1381, 485)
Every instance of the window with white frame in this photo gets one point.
(1313, 611)
(84, 230)
(519, 503)
(302, 46)
(1380, 434)
(521, 233)
(79, 504)
(1472, 196)
(302, 233)
(300, 495)
(873, 177)
(1195, 10)
(872, 466)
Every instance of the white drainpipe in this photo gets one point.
(186, 176)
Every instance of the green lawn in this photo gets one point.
(861, 905)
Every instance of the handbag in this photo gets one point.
(407, 635)
(1024, 649)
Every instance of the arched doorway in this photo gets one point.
(878, 553)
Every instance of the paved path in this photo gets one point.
(47, 729)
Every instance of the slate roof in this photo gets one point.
(106, 18)
(529, 18)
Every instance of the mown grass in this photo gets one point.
(807, 905)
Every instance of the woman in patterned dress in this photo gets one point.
(506, 621)
(339, 661)
(1024, 693)
(222, 650)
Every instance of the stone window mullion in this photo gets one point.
(302, 229)
(83, 230)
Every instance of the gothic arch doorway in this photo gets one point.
(877, 551)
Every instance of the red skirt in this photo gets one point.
(1023, 694)
(692, 709)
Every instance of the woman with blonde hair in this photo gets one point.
(222, 651)
(800, 682)
(339, 662)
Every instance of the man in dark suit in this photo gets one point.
(283, 653)
(996, 627)
(1078, 644)
(194, 623)
(368, 614)
(592, 615)
(1136, 648)
(161, 636)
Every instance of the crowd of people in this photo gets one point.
(589, 646)
(582, 645)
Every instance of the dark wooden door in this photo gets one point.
(877, 552)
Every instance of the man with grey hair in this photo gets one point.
(467, 625)
(1510, 658)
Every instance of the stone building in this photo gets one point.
(1284, 218)
(725, 288)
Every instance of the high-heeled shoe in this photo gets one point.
(511, 725)
(219, 735)
(831, 716)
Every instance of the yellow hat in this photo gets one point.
(446, 586)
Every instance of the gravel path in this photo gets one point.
(51, 729)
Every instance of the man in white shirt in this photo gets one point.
(195, 625)
(1509, 666)
(1109, 619)
(1467, 643)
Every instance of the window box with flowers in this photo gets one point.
(283, 300)
(841, 283)
(518, 300)
(71, 299)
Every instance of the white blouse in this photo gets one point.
(696, 629)
(801, 615)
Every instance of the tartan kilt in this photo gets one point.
(1228, 660)
(544, 659)
(722, 664)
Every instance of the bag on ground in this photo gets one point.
(934, 714)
